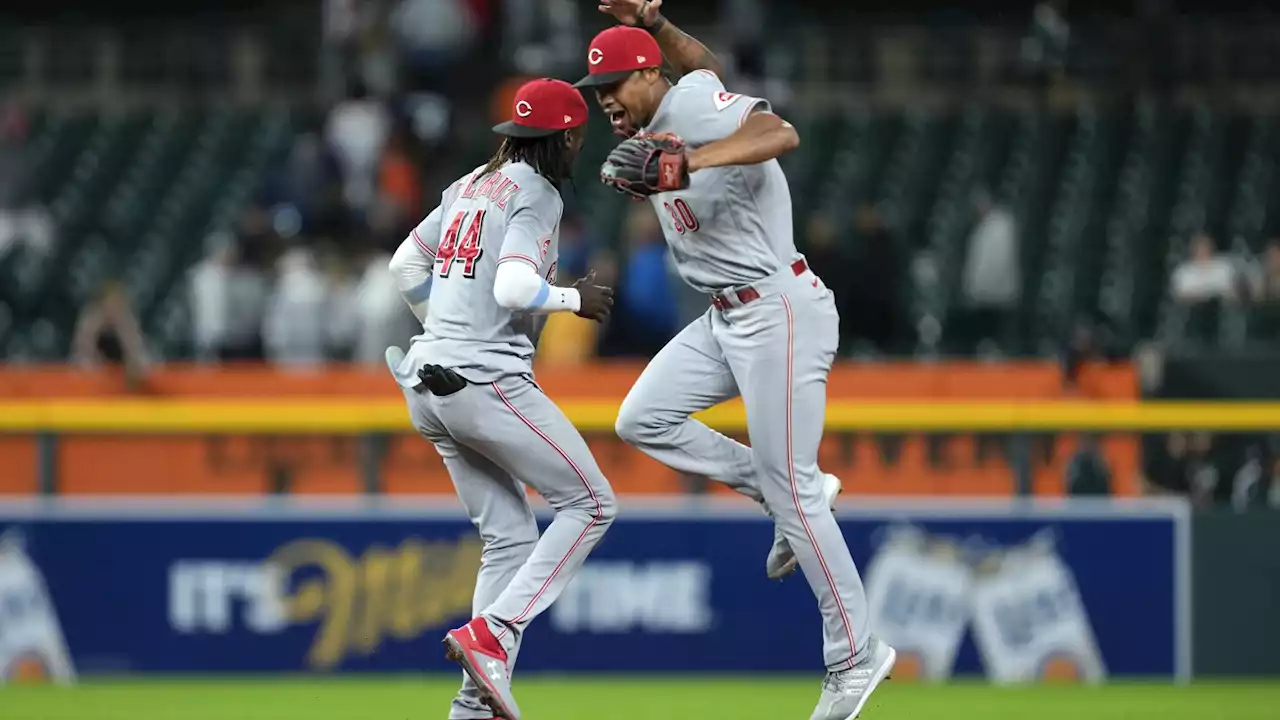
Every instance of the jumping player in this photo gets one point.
(486, 258)
(706, 159)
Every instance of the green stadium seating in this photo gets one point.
(1105, 197)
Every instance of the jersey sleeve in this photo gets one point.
(532, 223)
(426, 236)
(413, 261)
(705, 112)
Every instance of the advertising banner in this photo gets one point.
(1015, 592)
(31, 644)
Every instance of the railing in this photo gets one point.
(341, 446)
(360, 417)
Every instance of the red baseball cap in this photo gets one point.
(543, 107)
(616, 53)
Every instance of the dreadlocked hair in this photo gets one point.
(547, 155)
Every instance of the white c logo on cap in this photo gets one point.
(596, 56)
(524, 109)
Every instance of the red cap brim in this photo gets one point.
(603, 79)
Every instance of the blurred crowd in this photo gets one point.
(302, 279)
(1210, 281)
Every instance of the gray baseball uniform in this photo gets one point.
(501, 432)
(771, 338)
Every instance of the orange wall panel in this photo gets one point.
(911, 465)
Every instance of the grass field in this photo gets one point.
(764, 698)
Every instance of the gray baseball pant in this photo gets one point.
(776, 352)
(495, 438)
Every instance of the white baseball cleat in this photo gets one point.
(845, 692)
(782, 559)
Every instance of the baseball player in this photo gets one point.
(486, 257)
(705, 158)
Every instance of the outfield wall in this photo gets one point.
(1009, 590)
(899, 428)
(1237, 593)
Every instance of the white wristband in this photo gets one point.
(564, 299)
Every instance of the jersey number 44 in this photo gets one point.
(465, 250)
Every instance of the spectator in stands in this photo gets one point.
(295, 325)
(1206, 275)
(1044, 49)
(433, 37)
(1269, 286)
(1264, 322)
(108, 333)
(1087, 471)
(1078, 349)
(823, 252)
(1184, 467)
(992, 283)
(399, 178)
(645, 316)
(1203, 479)
(1089, 339)
(229, 291)
(1249, 484)
(309, 182)
(341, 270)
(345, 24)
(357, 131)
(13, 150)
(208, 285)
(874, 291)
(543, 35)
(437, 41)
(23, 223)
(1148, 361)
(1162, 460)
(340, 21)
(381, 317)
(746, 22)
(1200, 285)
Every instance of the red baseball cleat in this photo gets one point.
(481, 656)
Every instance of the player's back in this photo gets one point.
(466, 329)
(732, 226)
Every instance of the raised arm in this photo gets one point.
(763, 136)
(682, 50)
(517, 285)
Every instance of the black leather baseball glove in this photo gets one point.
(646, 164)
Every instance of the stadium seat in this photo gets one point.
(843, 156)
(1105, 197)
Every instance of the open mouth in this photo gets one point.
(620, 123)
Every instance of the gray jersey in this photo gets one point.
(732, 225)
(512, 215)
